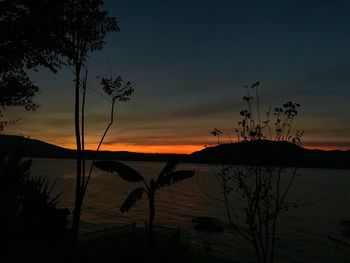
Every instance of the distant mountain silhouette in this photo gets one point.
(272, 153)
(25, 147)
(13, 145)
(269, 153)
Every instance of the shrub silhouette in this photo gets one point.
(257, 184)
(29, 213)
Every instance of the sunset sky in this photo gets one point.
(189, 61)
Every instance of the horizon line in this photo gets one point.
(169, 148)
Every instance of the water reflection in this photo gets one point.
(304, 231)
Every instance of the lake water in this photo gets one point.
(303, 232)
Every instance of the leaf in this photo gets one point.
(181, 175)
(124, 171)
(256, 84)
(174, 177)
(164, 181)
(169, 168)
(131, 200)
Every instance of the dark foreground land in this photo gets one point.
(121, 244)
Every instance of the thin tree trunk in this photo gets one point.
(77, 204)
(256, 243)
(151, 218)
(274, 223)
(85, 184)
(83, 132)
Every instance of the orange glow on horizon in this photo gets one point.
(181, 149)
(326, 147)
(184, 148)
(177, 149)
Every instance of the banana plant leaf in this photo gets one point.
(168, 169)
(131, 200)
(124, 171)
(181, 175)
(174, 177)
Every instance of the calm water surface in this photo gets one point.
(303, 232)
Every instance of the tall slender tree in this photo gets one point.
(87, 26)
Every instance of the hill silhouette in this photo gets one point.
(272, 153)
(269, 153)
(25, 147)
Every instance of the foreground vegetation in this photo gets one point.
(257, 185)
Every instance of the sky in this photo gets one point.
(189, 61)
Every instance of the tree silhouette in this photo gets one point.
(50, 34)
(86, 25)
(257, 185)
(166, 177)
(32, 35)
(217, 132)
(117, 91)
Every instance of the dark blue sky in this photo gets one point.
(189, 61)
